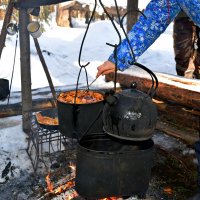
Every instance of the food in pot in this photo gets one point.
(46, 120)
(82, 97)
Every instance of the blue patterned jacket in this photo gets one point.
(159, 14)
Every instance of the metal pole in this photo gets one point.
(132, 16)
(24, 39)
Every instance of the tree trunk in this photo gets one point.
(2, 14)
(132, 17)
(62, 17)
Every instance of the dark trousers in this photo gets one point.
(197, 151)
(187, 55)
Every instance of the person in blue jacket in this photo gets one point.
(159, 14)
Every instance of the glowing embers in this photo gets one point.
(112, 198)
(64, 186)
(49, 183)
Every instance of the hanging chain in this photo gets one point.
(80, 53)
(16, 42)
(154, 86)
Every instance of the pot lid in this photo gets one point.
(133, 92)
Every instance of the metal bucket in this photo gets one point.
(34, 29)
(108, 167)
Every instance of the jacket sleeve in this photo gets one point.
(159, 13)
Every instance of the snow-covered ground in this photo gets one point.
(61, 47)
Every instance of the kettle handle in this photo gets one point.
(154, 79)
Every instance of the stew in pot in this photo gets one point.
(82, 97)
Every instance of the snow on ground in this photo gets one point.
(12, 147)
(61, 47)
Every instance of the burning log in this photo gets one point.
(69, 194)
(66, 184)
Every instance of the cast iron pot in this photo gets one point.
(76, 120)
(130, 115)
(4, 89)
(107, 167)
(52, 113)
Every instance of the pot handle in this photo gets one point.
(90, 126)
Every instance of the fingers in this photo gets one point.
(106, 68)
(107, 72)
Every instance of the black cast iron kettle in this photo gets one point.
(129, 115)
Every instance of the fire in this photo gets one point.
(72, 195)
(64, 187)
(49, 183)
(72, 166)
(168, 190)
(111, 198)
(68, 186)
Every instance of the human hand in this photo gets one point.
(106, 68)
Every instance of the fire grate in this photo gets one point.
(49, 148)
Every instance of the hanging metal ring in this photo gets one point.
(12, 28)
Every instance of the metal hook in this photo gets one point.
(12, 28)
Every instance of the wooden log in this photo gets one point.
(189, 137)
(177, 114)
(16, 109)
(165, 91)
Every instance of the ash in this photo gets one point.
(20, 188)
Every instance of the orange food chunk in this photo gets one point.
(81, 97)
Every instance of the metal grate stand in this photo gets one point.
(49, 148)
